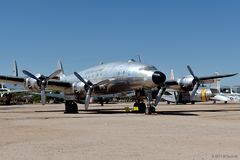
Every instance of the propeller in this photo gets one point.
(88, 87)
(159, 79)
(42, 81)
(196, 81)
(160, 94)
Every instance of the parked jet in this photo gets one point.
(110, 78)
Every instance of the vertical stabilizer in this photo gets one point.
(172, 75)
(60, 66)
(15, 68)
(216, 84)
(139, 59)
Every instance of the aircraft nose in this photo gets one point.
(158, 77)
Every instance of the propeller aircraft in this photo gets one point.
(109, 78)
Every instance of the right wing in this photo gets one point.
(12, 79)
(52, 84)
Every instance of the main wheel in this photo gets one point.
(71, 107)
(153, 109)
(141, 107)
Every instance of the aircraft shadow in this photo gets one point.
(173, 113)
(121, 111)
(176, 113)
(194, 112)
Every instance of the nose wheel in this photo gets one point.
(150, 107)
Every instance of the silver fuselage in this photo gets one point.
(123, 76)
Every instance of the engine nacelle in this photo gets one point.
(78, 87)
(31, 84)
(186, 82)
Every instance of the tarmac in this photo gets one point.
(203, 131)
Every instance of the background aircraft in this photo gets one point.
(202, 95)
(6, 93)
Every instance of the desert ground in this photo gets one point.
(204, 131)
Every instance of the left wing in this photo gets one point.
(210, 79)
(186, 81)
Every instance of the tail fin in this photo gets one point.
(60, 66)
(139, 59)
(15, 68)
(215, 86)
(172, 75)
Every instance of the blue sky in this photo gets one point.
(168, 34)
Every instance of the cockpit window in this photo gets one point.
(148, 68)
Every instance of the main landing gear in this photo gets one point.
(141, 106)
(71, 107)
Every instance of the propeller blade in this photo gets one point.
(43, 95)
(30, 75)
(81, 79)
(88, 95)
(196, 86)
(54, 74)
(190, 70)
(159, 95)
(87, 100)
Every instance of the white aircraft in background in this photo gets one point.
(7, 93)
(110, 78)
(230, 94)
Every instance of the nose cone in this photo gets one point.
(158, 77)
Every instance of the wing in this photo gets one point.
(13, 91)
(204, 80)
(56, 85)
(11, 79)
(210, 79)
(172, 84)
(52, 84)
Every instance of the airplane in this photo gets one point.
(7, 93)
(230, 93)
(109, 78)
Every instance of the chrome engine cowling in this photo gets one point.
(31, 84)
(78, 87)
(186, 82)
